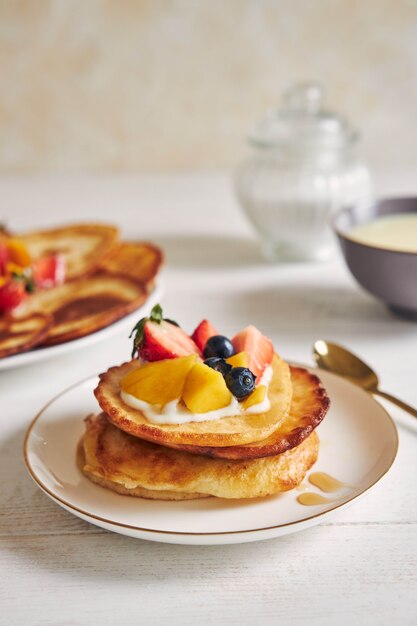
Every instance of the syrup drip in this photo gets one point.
(312, 499)
(325, 482)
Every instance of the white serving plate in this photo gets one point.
(358, 444)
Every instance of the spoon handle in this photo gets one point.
(396, 401)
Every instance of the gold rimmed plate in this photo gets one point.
(358, 446)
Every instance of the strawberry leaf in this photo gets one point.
(138, 330)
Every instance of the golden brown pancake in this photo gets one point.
(85, 305)
(83, 246)
(309, 405)
(138, 260)
(114, 458)
(228, 431)
(138, 492)
(19, 335)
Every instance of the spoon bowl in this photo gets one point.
(337, 359)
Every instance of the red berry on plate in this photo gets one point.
(4, 258)
(48, 271)
(157, 338)
(12, 293)
(259, 348)
(203, 332)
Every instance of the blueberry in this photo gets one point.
(218, 346)
(218, 364)
(240, 382)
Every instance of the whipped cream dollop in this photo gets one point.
(176, 412)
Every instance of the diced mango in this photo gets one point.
(159, 382)
(241, 359)
(256, 397)
(13, 268)
(205, 390)
(18, 253)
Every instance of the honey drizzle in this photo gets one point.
(312, 499)
(325, 482)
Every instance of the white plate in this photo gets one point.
(358, 446)
(41, 354)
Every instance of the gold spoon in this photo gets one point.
(334, 358)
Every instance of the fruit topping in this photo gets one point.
(48, 271)
(256, 397)
(159, 382)
(4, 258)
(241, 359)
(240, 381)
(156, 338)
(218, 364)
(12, 293)
(220, 346)
(202, 334)
(205, 390)
(18, 253)
(259, 348)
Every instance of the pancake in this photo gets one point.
(138, 260)
(138, 492)
(309, 405)
(19, 335)
(114, 458)
(228, 431)
(83, 246)
(83, 306)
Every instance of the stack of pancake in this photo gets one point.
(244, 456)
(105, 280)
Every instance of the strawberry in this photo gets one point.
(259, 348)
(12, 293)
(48, 271)
(157, 338)
(4, 258)
(204, 331)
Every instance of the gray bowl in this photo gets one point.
(389, 275)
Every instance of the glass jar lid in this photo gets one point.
(302, 121)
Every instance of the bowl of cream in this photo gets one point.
(379, 243)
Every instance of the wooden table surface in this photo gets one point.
(359, 568)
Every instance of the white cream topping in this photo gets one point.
(176, 412)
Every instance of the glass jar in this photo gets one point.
(302, 168)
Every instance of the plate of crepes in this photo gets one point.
(67, 287)
(202, 439)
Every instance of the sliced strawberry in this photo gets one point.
(204, 331)
(259, 348)
(4, 258)
(48, 271)
(12, 293)
(157, 338)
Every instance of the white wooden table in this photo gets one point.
(361, 568)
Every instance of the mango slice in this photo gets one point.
(256, 397)
(159, 382)
(241, 359)
(205, 390)
(18, 252)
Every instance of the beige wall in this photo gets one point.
(143, 85)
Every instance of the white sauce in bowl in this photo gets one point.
(392, 232)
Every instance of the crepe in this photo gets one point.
(228, 431)
(83, 246)
(138, 260)
(85, 305)
(127, 464)
(19, 335)
(309, 405)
